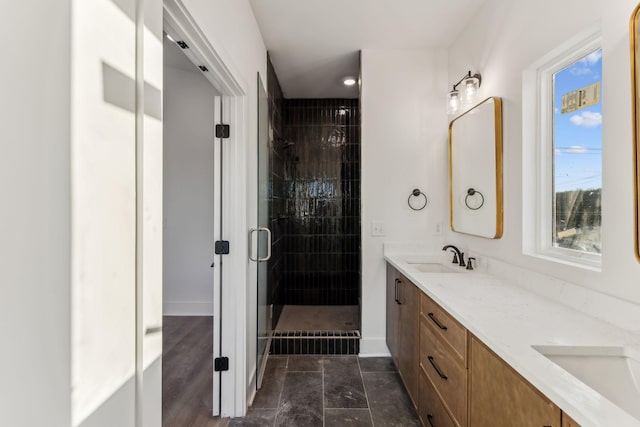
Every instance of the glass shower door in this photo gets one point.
(262, 235)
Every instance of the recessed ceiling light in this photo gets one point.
(349, 81)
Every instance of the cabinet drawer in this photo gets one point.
(445, 326)
(430, 409)
(446, 372)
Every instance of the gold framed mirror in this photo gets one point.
(635, 89)
(475, 170)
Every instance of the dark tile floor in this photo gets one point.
(330, 391)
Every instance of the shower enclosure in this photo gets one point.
(314, 275)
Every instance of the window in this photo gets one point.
(562, 131)
(577, 154)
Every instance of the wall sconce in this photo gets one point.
(470, 88)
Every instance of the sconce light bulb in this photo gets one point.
(470, 91)
(453, 102)
(471, 85)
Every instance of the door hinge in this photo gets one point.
(221, 247)
(223, 131)
(221, 364)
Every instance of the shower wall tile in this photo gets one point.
(321, 195)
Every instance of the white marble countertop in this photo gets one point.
(510, 320)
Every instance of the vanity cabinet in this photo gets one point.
(403, 304)
(443, 360)
(452, 377)
(499, 396)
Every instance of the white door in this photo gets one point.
(150, 219)
(103, 212)
(116, 211)
(218, 260)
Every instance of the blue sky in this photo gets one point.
(578, 135)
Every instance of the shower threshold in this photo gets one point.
(317, 329)
(315, 342)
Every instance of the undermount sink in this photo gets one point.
(611, 371)
(431, 267)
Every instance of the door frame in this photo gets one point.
(233, 279)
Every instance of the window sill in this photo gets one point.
(580, 260)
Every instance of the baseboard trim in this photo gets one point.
(374, 347)
(187, 308)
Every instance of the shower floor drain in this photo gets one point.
(315, 342)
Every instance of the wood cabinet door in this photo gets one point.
(408, 338)
(500, 397)
(393, 312)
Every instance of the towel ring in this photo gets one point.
(470, 195)
(417, 193)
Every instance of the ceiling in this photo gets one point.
(314, 44)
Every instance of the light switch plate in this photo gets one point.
(377, 229)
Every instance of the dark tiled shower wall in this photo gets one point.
(322, 195)
(277, 205)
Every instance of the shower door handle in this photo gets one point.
(268, 257)
(258, 259)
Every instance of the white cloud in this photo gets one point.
(592, 58)
(582, 67)
(576, 149)
(588, 119)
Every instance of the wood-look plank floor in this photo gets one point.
(187, 367)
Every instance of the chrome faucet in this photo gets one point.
(457, 255)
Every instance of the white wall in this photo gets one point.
(230, 27)
(34, 219)
(188, 193)
(501, 41)
(404, 146)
